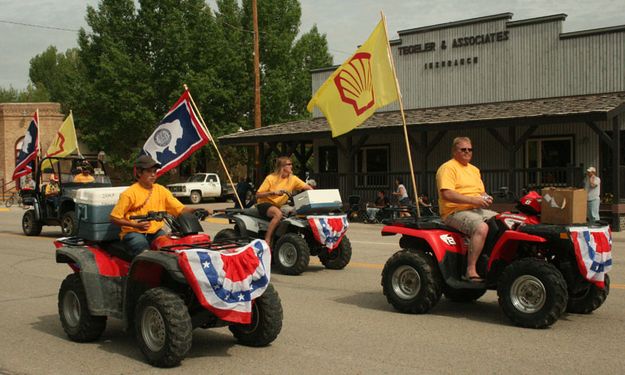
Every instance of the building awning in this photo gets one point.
(597, 107)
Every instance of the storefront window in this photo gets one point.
(545, 158)
(328, 159)
(372, 166)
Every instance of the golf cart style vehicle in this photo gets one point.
(59, 209)
(313, 225)
(539, 270)
(185, 281)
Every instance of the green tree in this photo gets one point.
(60, 75)
(129, 69)
(30, 94)
(310, 52)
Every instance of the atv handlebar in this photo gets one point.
(151, 216)
(200, 213)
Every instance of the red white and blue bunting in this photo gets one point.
(227, 281)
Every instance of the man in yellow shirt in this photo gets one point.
(271, 195)
(84, 176)
(463, 201)
(144, 196)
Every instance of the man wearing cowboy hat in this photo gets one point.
(592, 184)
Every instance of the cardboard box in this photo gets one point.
(317, 201)
(563, 206)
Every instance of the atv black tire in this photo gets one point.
(291, 254)
(590, 299)
(411, 281)
(225, 234)
(266, 321)
(463, 295)
(532, 293)
(195, 197)
(163, 327)
(338, 258)
(77, 321)
(30, 225)
(68, 224)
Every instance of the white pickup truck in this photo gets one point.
(200, 186)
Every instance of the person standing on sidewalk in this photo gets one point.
(592, 184)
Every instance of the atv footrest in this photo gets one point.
(462, 284)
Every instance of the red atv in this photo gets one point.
(154, 294)
(538, 270)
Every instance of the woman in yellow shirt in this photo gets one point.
(272, 193)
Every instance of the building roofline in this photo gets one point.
(602, 30)
(446, 25)
(325, 69)
(536, 20)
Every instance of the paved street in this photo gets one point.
(335, 322)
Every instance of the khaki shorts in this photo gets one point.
(467, 221)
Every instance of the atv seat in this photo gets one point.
(117, 249)
(428, 222)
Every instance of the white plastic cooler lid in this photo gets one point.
(103, 196)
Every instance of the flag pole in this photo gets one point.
(223, 164)
(39, 152)
(403, 118)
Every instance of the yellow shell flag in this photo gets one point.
(364, 83)
(65, 142)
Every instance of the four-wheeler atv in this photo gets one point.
(154, 294)
(538, 270)
(61, 208)
(295, 240)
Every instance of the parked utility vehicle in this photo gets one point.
(201, 186)
(59, 209)
(539, 270)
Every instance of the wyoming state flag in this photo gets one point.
(30, 148)
(364, 83)
(177, 136)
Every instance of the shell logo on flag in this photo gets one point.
(355, 83)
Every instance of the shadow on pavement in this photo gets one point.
(367, 300)
(485, 312)
(206, 343)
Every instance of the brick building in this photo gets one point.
(14, 119)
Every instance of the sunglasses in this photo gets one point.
(465, 149)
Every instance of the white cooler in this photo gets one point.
(93, 208)
(317, 201)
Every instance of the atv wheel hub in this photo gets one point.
(287, 254)
(528, 294)
(406, 282)
(153, 329)
(71, 309)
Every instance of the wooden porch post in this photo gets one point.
(616, 159)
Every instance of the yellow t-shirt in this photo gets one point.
(134, 201)
(274, 183)
(51, 189)
(83, 179)
(463, 179)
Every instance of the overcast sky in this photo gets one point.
(347, 23)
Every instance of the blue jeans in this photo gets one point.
(137, 242)
(593, 210)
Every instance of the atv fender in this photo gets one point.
(150, 269)
(440, 241)
(506, 247)
(252, 225)
(100, 275)
(241, 225)
(285, 224)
